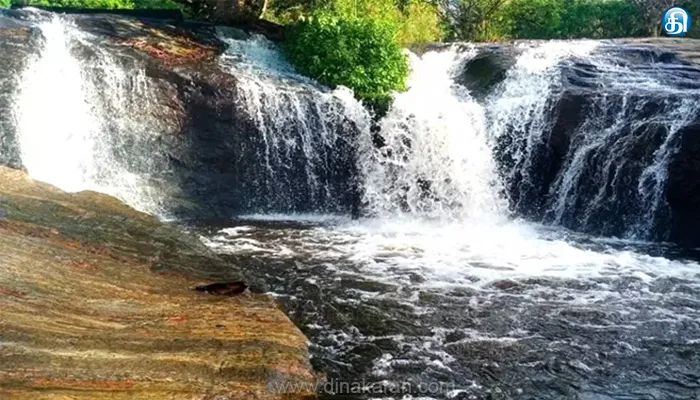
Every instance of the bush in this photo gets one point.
(358, 53)
(416, 21)
(597, 19)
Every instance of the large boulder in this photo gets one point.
(487, 68)
(96, 302)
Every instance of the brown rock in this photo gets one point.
(95, 304)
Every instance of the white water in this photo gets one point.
(435, 134)
(72, 119)
(299, 121)
(54, 119)
(432, 190)
(457, 231)
(460, 254)
(421, 240)
(519, 109)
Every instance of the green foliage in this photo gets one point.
(415, 21)
(600, 19)
(110, 4)
(693, 7)
(549, 19)
(473, 20)
(478, 20)
(533, 19)
(358, 53)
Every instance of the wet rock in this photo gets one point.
(223, 288)
(182, 120)
(95, 303)
(487, 69)
(588, 163)
(683, 190)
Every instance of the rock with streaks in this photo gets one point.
(96, 303)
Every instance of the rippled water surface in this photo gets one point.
(446, 310)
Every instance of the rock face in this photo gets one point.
(96, 302)
(604, 143)
(487, 69)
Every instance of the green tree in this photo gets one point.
(473, 20)
(533, 19)
(693, 7)
(599, 19)
(358, 53)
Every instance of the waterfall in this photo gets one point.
(434, 159)
(77, 121)
(306, 130)
(55, 123)
(580, 134)
(520, 109)
(616, 124)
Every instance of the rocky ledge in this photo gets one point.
(96, 302)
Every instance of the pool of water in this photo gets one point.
(406, 309)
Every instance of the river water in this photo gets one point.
(409, 309)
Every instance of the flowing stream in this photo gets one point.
(449, 286)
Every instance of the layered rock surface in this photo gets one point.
(610, 146)
(96, 302)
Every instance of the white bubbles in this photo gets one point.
(72, 119)
(435, 161)
(54, 119)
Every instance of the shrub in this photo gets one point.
(358, 53)
(416, 21)
(600, 19)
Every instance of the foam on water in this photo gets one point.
(434, 160)
(440, 264)
(442, 287)
(53, 84)
(473, 255)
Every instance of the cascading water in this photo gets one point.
(520, 114)
(74, 119)
(437, 283)
(585, 140)
(437, 286)
(306, 130)
(434, 159)
(56, 147)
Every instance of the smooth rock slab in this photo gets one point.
(96, 303)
